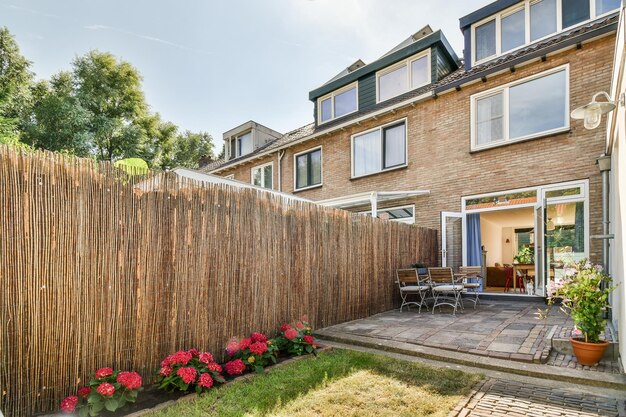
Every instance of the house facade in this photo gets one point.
(480, 148)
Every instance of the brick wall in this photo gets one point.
(439, 157)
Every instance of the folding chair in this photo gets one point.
(474, 273)
(446, 289)
(409, 283)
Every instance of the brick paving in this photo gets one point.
(498, 329)
(500, 397)
(569, 361)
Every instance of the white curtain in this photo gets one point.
(367, 158)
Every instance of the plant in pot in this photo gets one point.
(584, 294)
(525, 256)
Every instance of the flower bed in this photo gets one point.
(188, 371)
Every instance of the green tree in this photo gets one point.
(58, 121)
(110, 90)
(191, 150)
(15, 81)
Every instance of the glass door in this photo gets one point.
(540, 277)
(452, 240)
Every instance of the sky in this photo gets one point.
(211, 65)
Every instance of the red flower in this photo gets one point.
(205, 381)
(129, 380)
(214, 366)
(235, 367)
(206, 357)
(194, 352)
(291, 333)
(106, 389)
(84, 392)
(258, 348)
(180, 358)
(165, 371)
(285, 327)
(300, 325)
(232, 347)
(104, 372)
(188, 375)
(245, 343)
(68, 405)
(308, 339)
(258, 337)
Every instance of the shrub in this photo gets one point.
(110, 390)
(254, 352)
(189, 369)
(296, 340)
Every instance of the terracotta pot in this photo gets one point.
(588, 353)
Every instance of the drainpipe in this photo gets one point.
(280, 158)
(604, 164)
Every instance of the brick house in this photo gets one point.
(481, 148)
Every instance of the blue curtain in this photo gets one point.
(474, 241)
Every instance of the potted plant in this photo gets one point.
(584, 294)
(525, 256)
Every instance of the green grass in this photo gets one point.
(336, 383)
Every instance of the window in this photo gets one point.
(531, 20)
(378, 150)
(240, 145)
(338, 103)
(404, 76)
(262, 176)
(525, 109)
(308, 170)
(404, 214)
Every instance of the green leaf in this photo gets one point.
(83, 412)
(258, 369)
(97, 407)
(111, 404)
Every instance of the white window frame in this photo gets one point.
(237, 147)
(261, 167)
(230, 177)
(332, 95)
(504, 89)
(381, 128)
(295, 173)
(411, 206)
(407, 62)
(526, 5)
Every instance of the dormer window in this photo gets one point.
(404, 76)
(530, 21)
(338, 103)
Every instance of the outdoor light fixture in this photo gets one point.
(550, 225)
(592, 113)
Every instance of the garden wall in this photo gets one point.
(94, 272)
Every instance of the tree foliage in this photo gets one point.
(97, 110)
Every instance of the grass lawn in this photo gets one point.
(336, 383)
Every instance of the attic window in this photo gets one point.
(338, 103)
(404, 76)
(241, 145)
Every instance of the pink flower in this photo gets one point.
(308, 339)
(84, 392)
(258, 337)
(166, 371)
(205, 381)
(193, 352)
(258, 348)
(300, 325)
(129, 380)
(188, 375)
(235, 367)
(232, 347)
(68, 405)
(180, 358)
(214, 366)
(105, 389)
(245, 343)
(104, 372)
(285, 327)
(206, 357)
(291, 333)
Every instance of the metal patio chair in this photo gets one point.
(410, 283)
(446, 288)
(474, 273)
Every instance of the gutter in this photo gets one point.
(373, 115)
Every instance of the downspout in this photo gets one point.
(604, 164)
(281, 153)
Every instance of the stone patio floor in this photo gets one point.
(498, 329)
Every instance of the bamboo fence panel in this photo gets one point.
(99, 268)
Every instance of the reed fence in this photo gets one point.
(98, 270)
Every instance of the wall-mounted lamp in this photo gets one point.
(592, 113)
